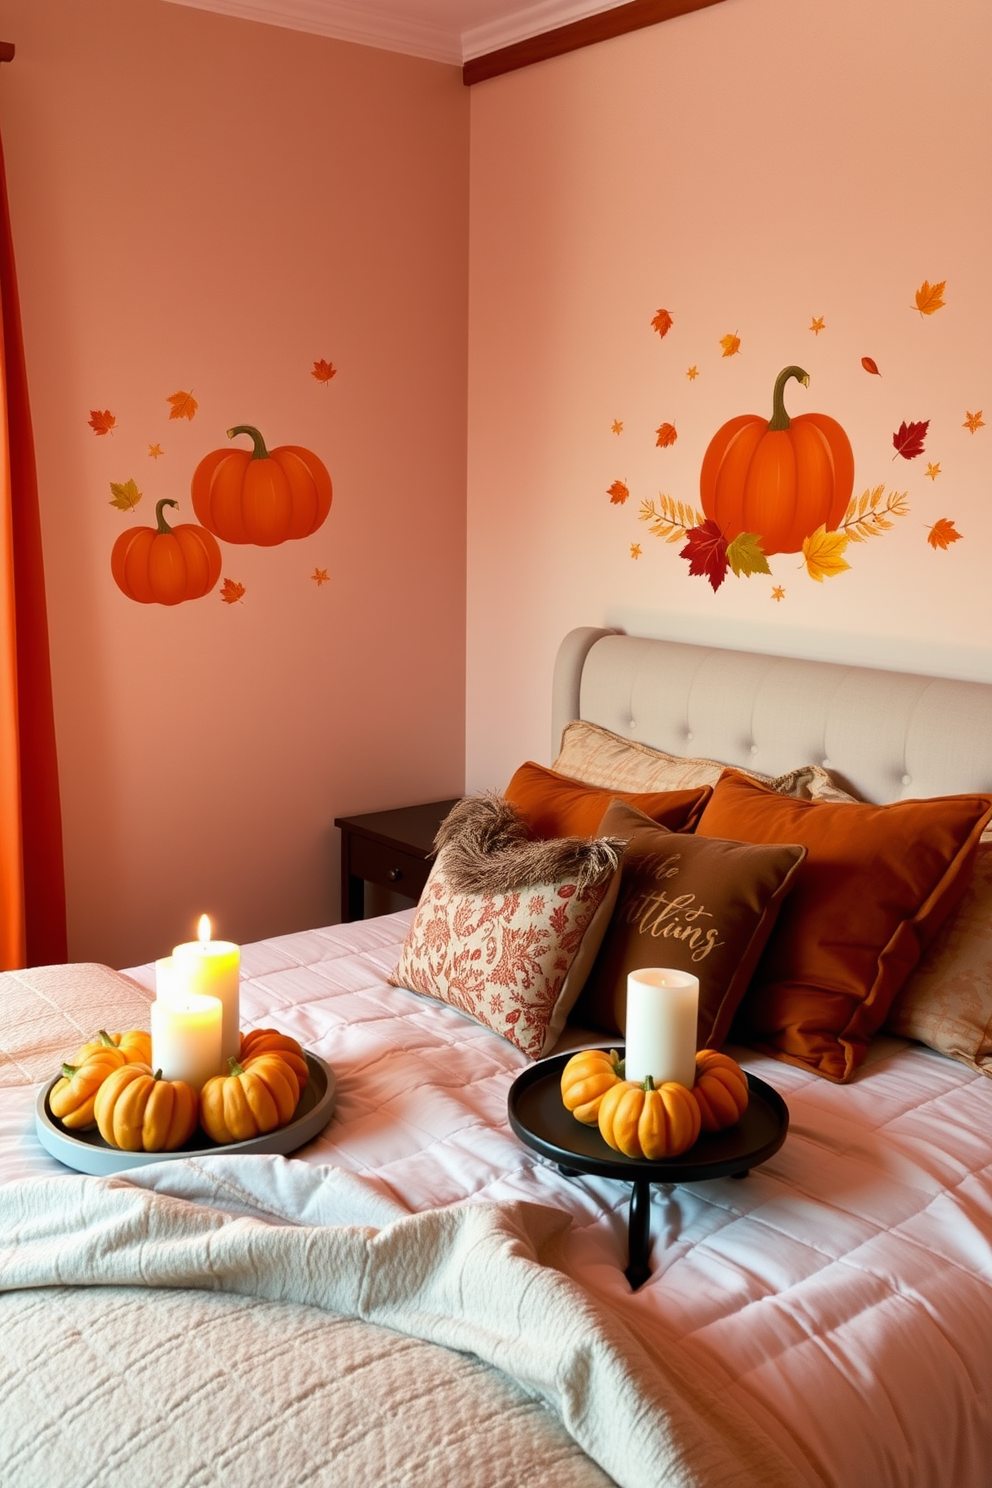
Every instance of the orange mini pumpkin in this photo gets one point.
(720, 1090)
(270, 1041)
(135, 1045)
(642, 1120)
(248, 1102)
(137, 1111)
(163, 564)
(260, 496)
(73, 1097)
(586, 1078)
(781, 478)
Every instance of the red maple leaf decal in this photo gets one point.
(662, 323)
(323, 371)
(101, 422)
(706, 551)
(908, 439)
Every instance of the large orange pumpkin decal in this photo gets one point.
(163, 564)
(780, 478)
(261, 496)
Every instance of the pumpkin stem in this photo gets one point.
(234, 1066)
(105, 1039)
(780, 419)
(259, 452)
(163, 525)
(648, 1083)
(68, 1070)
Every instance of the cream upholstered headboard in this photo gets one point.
(886, 735)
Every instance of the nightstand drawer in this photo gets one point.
(379, 864)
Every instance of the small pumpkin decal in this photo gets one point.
(138, 1111)
(645, 1120)
(261, 496)
(720, 1090)
(780, 478)
(165, 565)
(586, 1078)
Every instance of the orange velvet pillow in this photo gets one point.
(554, 805)
(876, 885)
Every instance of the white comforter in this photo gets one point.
(839, 1299)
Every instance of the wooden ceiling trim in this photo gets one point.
(576, 34)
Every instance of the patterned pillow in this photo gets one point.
(947, 1002)
(599, 757)
(507, 927)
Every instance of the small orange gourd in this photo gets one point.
(249, 1102)
(720, 1091)
(135, 1045)
(271, 1041)
(72, 1098)
(138, 1111)
(645, 1120)
(586, 1078)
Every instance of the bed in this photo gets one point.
(419, 1297)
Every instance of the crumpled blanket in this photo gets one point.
(260, 1320)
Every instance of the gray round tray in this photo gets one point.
(87, 1152)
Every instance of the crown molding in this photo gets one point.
(527, 22)
(345, 20)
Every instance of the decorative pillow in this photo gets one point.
(947, 1002)
(690, 903)
(599, 757)
(508, 927)
(876, 885)
(555, 806)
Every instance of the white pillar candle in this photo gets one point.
(211, 968)
(186, 1038)
(662, 1010)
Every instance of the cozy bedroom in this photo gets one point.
(495, 744)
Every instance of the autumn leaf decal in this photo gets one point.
(870, 365)
(662, 323)
(670, 519)
(125, 496)
(635, 550)
(706, 550)
(823, 552)
(817, 325)
(667, 435)
(933, 470)
(617, 426)
(692, 373)
(731, 345)
(745, 556)
(618, 493)
(155, 451)
(778, 592)
(974, 422)
(320, 576)
(231, 591)
(943, 533)
(183, 405)
(930, 297)
(323, 371)
(908, 439)
(101, 423)
(868, 515)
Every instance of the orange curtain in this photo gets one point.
(32, 880)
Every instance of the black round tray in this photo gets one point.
(541, 1121)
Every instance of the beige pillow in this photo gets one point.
(598, 757)
(947, 1002)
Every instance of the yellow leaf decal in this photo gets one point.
(817, 325)
(731, 345)
(745, 556)
(930, 297)
(184, 405)
(320, 576)
(974, 422)
(823, 552)
(635, 550)
(692, 373)
(617, 426)
(933, 470)
(125, 496)
(778, 592)
(154, 450)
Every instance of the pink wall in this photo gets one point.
(206, 203)
(751, 168)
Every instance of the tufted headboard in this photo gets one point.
(885, 735)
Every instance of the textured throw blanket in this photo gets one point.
(258, 1320)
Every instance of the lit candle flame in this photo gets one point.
(203, 929)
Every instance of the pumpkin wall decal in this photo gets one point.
(261, 496)
(163, 564)
(781, 478)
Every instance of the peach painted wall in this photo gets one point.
(209, 204)
(752, 168)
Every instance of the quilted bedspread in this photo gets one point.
(416, 1297)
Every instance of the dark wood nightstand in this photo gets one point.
(388, 848)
